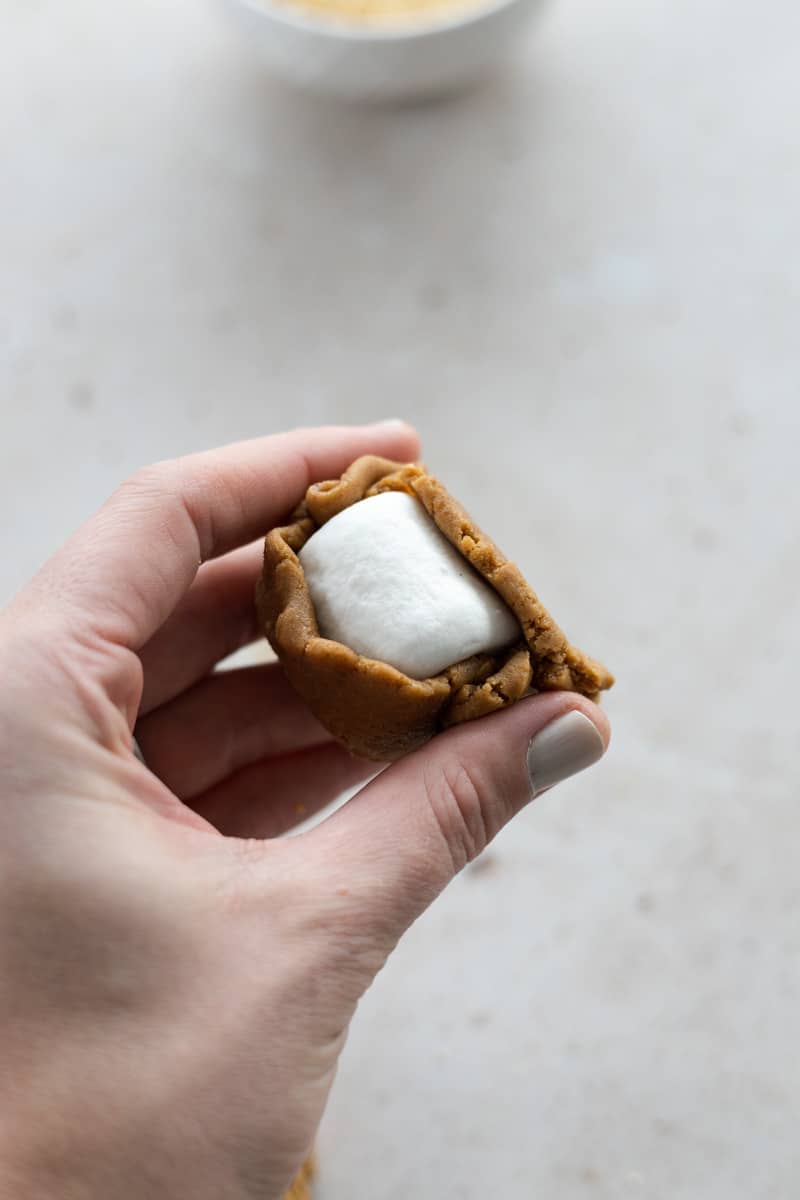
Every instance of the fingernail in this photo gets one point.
(564, 747)
(392, 423)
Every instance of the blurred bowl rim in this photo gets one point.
(294, 15)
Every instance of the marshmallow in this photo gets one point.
(387, 583)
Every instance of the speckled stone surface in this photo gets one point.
(589, 269)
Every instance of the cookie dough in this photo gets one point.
(372, 707)
(387, 583)
(301, 1185)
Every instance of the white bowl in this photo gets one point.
(428, 56)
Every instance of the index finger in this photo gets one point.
(130, 564)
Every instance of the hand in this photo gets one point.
(173, 1002)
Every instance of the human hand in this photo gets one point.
(173, 1002)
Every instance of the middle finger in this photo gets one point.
(227, 721)
(216, 616)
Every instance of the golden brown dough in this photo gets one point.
(372, 708)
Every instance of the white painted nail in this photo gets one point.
(564, 747)
(392, 423)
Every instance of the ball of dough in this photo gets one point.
(386, 583)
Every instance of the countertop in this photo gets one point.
(581, 281)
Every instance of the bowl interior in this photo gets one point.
(440, 16)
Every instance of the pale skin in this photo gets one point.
(176, 978)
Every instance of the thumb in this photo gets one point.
(392, 849)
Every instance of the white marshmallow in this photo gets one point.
(387, 583)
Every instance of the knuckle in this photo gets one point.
(466, 808)
(162, 488)
(145, 484)
(454, 797)
(346, 941)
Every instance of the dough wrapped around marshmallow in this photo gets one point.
(395, 617)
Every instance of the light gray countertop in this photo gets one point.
(582, 282)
